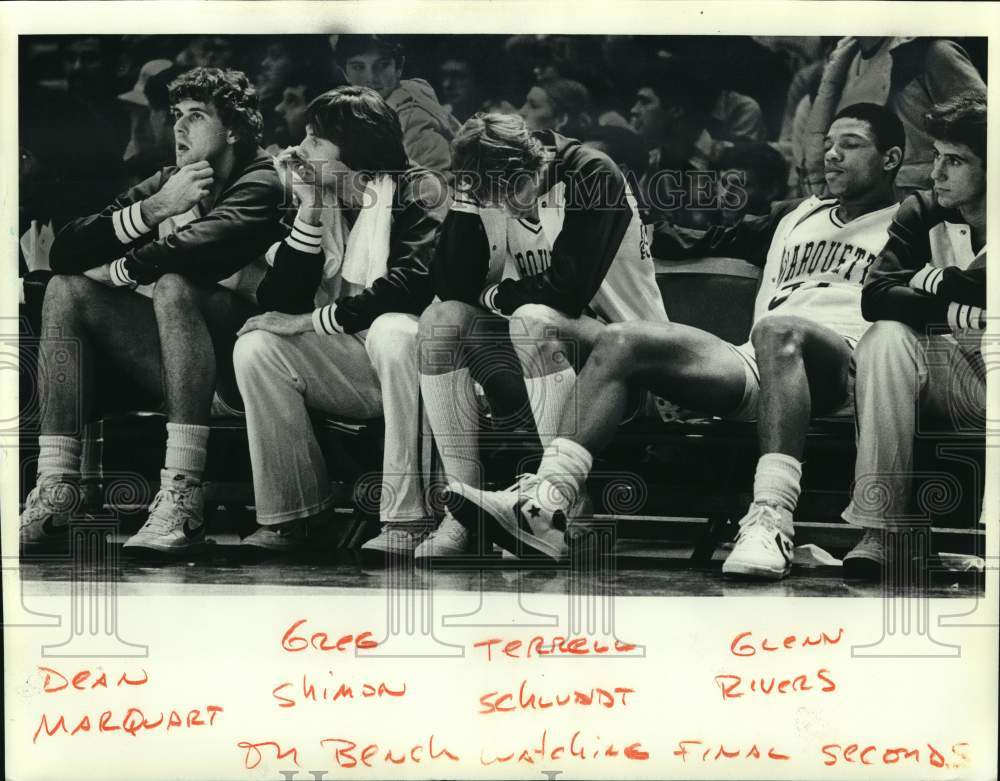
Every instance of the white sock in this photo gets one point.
(776, 481)
(549, 396)
(59, 457)
(564, 470)
(450, 401)
(187, 449)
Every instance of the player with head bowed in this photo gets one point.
(352, 273)
(148, 294)
(542, 247)
(923, 355)
(815, 255)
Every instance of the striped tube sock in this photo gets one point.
(776, 481)
(59, 457)
(187, 449)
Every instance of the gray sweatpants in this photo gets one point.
(356, 376)
(903, 377)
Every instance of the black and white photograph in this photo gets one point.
(370, 369)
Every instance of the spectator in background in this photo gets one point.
(148, 149)
(207, 51)
(428, 128)
(303, 84)
(621, 144)
(752, 177)
(75, 129)
(909, 76)
(557, 104)
(671, 114)
(736, 117)
(459, 87)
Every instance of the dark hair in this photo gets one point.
(678, 82)
(489, 150)
(571, 98)
(961, 120)
(765, 165)
(351, 45)
(233, 96)
(885, 125)
(315, 79)
(624, 146)
(363, 125)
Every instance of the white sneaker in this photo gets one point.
(513, 518)
(396, 541)
(47, 510)
(176, 523)
(450, 538)
(762, 549)
(288, 537)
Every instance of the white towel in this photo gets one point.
(368, 242)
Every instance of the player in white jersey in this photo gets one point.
(815, 256)
(543, 246)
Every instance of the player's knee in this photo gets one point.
(534, 320)
(253, 353)
(778, 337)
(392, 339)
(446, 319)
(173, 290)
(616, 347)
(65, 291)
(883, 341)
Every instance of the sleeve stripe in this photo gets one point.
(305, 237)
(324, 321)
(962, 316)
(294, 243)
(128, 223)
(119, 275)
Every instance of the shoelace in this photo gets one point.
(165, 522)
(761, 524)
(870, 543)
(451, 529)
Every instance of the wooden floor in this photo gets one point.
(641, 568)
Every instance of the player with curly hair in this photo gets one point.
(150, 293)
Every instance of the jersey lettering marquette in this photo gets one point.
(817, 265)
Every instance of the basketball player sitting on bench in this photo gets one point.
(815, 255)
(354, 267)
(186, 228)
(542, 247)
(931, 276)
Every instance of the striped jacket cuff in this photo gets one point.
(325, 321)
(488, 298)
(119, 275)
(305, 237)
(928, 279)
(128, 223)
(965, 316)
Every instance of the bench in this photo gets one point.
(686, 481)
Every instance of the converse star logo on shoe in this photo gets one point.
(785, 546)
(534, 510)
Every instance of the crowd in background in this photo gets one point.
(680, 114)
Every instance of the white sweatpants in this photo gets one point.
(901, 377)
(281, 378)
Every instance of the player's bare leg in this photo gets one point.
(686, 365)
(197, 328)
(551, 347)
(81, 319)
(804, 370)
